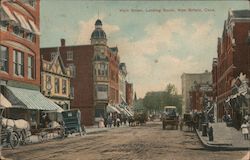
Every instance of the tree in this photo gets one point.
(155, 101)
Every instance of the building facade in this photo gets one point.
(20, 60)
(19, 43)
(122, 82)
(201, 97)
(129, 94)
(55, 81)
(187, 81)
(95, 74)
(232, 58)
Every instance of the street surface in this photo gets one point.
(148, 142)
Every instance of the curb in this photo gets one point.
(220, 147)
(96, 131)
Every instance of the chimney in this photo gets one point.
(62, 42)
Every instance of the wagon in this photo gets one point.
(170, 117)
(10, 135)
(72, 121)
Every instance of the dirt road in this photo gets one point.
(148, 142)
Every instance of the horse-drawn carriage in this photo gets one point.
(13, 132)
(170, 117)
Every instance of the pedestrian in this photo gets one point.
(118, 121)
(244, 130)
(181, 123)
(109, 121)
(101, 122)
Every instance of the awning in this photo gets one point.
(9, 14)
(130, 114)
(4, 102)
(112, 109)
(30, 99)
(34, 27)
(22, 21)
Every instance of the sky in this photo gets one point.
(158, 40)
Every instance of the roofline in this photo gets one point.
(67, 46)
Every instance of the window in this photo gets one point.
(52, 55)
(72, 91)
(4, 58)
(31, 3)
(64, 86)
(31, 37)
(57, 85)
(31, 67)
(70, 55)
(102, 91)
(18, 63)
(48, 83)
(103, 69)
(4, 25)
(19, 32)
(72, 70)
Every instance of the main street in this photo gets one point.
(126, 143)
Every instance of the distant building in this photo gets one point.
(129, 94)
(55, 81)
(187, 81)
(232, 59)
(122, 82)
(201, 97)
(95, 74)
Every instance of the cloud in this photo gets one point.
(86, 28)
(149, 63)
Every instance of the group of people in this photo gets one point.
(115, 120)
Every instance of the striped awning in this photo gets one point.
(30, 99)
(8, 15)
(4, 102)
(112, 109)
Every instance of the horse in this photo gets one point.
(20, 127)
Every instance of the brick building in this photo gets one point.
(187, 81)
(233, 58)
(201, 96)
(95, 79)
(129, 94)
(20, 60)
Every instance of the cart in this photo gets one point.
(72, 122)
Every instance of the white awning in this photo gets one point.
(22, 21)
(7, 11)
(111, 109)
(34, 27)
(4, 102)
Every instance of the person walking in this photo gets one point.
(244, 130)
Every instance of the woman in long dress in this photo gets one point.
(244, 130)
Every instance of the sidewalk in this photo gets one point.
(225, 138)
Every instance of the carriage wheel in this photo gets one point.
(14, 140)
